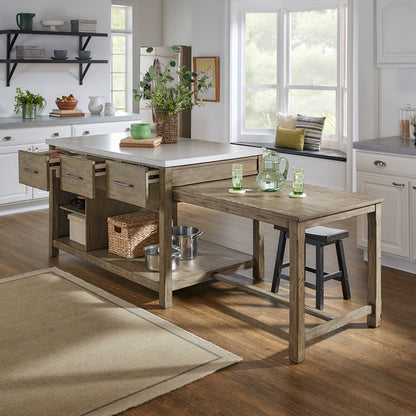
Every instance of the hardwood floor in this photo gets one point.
(354, 371)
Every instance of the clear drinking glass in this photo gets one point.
(237, 176)
(298, 181)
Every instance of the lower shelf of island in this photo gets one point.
(211, 258)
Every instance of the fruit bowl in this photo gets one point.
(66, 105)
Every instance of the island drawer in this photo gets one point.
(79, 174)
(34, 168)
(131, 183)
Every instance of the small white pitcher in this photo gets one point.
(96, 105)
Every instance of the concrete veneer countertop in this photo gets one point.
(393, 145)
(16, 122)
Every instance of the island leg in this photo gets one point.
(297, 292)
(165, 238)
(53, 211)
(374, 266)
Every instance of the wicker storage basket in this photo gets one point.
(128, 234)
(167, 126)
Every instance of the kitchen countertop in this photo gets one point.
(185, 152)
(16, 122)
(391, 145)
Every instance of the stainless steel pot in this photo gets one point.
(151, 255)
(186, 238)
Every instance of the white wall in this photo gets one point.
(54, 80)
(210, 37)
(174, 32)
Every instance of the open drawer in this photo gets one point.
(131, 183)
(79, 174)
(34, 167)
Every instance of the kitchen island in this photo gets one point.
(138, 177)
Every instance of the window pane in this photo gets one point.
(313, 48)
(119, 81)
(118, 18)
(260, 108)
(119, 100)
(118, 44)
(315, 104)
(261, 48)
(119, 63)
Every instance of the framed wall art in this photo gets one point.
(208, 66)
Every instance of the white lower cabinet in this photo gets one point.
(393, 178)
(10, 188)
(394, 212)
(413, 218)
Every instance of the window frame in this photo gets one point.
(127, 33)
(283, 8)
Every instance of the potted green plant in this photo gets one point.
(169, 95)
(28, 102)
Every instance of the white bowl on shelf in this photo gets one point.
(52, 23)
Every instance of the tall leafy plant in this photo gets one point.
(164, 92)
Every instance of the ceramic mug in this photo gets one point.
(140, 130)
(24, 20)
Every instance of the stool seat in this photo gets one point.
(319, 237)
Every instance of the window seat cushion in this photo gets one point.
(322, 153)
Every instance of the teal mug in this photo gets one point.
(140, 130)
(24, 20)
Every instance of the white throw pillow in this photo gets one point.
(286, 120)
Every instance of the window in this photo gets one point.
(121, 52)
(288, 56)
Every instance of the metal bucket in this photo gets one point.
(186, 238)
(151, 255)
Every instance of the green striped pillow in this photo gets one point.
(313, 130)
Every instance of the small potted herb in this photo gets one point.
(28, 102)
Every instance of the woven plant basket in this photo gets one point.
(128, 234)
(167, 126)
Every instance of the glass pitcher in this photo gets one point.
(271, 178)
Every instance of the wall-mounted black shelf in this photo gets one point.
(83, 40)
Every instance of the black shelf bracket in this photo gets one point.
(82, 73)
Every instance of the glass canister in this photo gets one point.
(408, 122)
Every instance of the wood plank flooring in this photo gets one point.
(354, 371)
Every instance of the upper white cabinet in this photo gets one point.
(396, 32)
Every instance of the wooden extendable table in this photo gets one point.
(321, 206)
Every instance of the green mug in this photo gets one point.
(140, 130)
(24, 20)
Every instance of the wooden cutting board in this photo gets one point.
(149, 142)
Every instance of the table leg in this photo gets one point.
(374, 266)
(258, 250)
(165, 238)
(297, 292)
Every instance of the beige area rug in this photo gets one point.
(69, 348)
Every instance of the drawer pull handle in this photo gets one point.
(379, 163)
(414, 187)
(86, 133)
(30, 170)
(130, 185)
(74, 177)
(6, 138)
(127, 129)
(400, 185)
(56, 134)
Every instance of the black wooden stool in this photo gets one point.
(318, 237)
